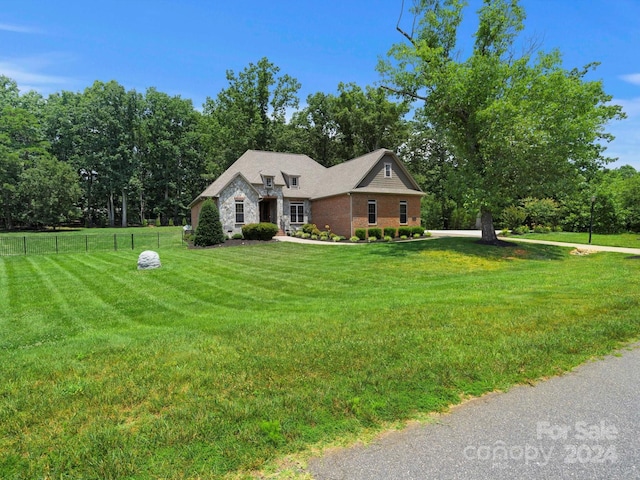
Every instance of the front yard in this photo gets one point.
(225, 359)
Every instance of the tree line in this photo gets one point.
(489, 135)
(112, 156)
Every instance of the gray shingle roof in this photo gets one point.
(316, 181)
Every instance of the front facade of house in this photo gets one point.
(289, 190)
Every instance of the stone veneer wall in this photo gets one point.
(286, 217)
(237, 189)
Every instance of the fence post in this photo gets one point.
(158, 239)
(56, 243)
(86, 243)
(132, 241)
(115, 242)
(24, 241)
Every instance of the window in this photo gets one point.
(297, 213)
(239, 211)
(373, 212)
(294, 182)
(268, 182)
(403, 212)
(387, 170)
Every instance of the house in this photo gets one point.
(374, 190)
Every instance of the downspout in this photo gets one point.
(350, 214)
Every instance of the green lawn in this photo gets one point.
(226, 359)
(631, 240)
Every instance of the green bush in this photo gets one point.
(314, 236)
(390, 232)
(505, 232)
(403, 237)
(354, 239)
(259, 231)
(416, 235)
(417, 230)
(521, 230)
(388, 238)
(158, 223)
(372, 238)
(557, 228)
(361, 233)
(237, 236)
(337, 238)
(512, 217)
(405, 231)
(209, 231)
(375, 232)
(309, 228)
(171, 224)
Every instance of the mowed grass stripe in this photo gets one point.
(223, 389)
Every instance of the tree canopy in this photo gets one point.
(518, 126)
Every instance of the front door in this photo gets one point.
(267, 213)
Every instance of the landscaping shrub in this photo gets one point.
(209, 231)
(388, 238)
(308, 228)
(237, 236)
(417, 230)
(512, 217)
(389, 232)
(521, 230)
(354, 239)
(375, 232)
(417, 235)
(361, 233)
(259, 231)
(372, 238)
(404, 231)
(403, 237)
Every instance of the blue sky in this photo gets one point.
(184, 47)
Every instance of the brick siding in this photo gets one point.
(335, 211)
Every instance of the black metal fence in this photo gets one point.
(46, 244)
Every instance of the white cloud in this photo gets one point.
(30, 73)
(633, 78)
(7, 27)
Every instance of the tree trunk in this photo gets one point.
(488, 231)
(124, 208)
(111, 211)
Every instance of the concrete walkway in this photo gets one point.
(582, 425)
(477, 234)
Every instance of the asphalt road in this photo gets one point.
(582, 425)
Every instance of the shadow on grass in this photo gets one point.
(471, 246)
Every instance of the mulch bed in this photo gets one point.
(234, 243)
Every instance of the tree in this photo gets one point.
(170, 160)
(519, 126)
(250, 113)
(48, 192)
(22, 145)
(209, 231)
(335, 128)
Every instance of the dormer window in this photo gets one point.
(268, 182)
(387, 170)
(295, 182)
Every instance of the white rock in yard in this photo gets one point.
(148, 259)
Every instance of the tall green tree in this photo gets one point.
(48, 193)
(519, 126)
(250, 113)
(355, 121)
(22, 146)
(171, 163)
